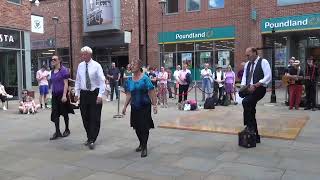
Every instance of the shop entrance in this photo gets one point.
(9, 70)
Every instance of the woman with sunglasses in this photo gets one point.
(60, 105)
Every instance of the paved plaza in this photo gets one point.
(27, 154)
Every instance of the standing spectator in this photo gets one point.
(311, 81)
(60, 104)
(219, 78)
(153, 77)
(206, 76)
(114, 76)
(42, 78)
(230, 84)
(140, 94)
(127, 73)
(240, 72)
(4, 96)
(163, 80)
(183, 83)
(90, 85)
(295, 88)
(169, 82)
(176, 78)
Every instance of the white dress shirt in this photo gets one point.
(266, 71)
(97, 78)
(206, 73)
(176, 75)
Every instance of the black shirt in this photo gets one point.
(293, 71)
(153, 75)
(312, 73)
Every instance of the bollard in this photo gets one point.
(118, 115)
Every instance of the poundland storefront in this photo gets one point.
(15, 64)
(297, 36)
(197, 47)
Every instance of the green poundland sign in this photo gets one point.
(207, 34)
(291, 23)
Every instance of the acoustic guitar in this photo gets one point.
(286, 80)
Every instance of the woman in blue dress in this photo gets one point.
(141, 95)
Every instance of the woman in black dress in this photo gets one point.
(140, 94)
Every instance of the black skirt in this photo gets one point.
(141, 119)
(58, 108)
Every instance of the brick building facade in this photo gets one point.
(231, 29)
(15, 63)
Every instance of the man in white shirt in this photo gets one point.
(206, 76)
(176, 77)
(257, 76)
(90, 86)
(42, 78)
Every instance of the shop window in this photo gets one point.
(224, 53)
(172, 6)
(204, 46)
(186, 47)
(169, 60)
(193, 5)
(170, 48)
(216, 4)
(15, 1)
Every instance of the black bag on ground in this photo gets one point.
(247, 138)
(210, 103)
(225, 101)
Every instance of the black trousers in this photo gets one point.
(143, 136)
(311, 88)
(114, 87)
(90, 113)
(3, 98)
(249, 106)
(183, 91)
(221, 92)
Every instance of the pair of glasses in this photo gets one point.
(53, 59)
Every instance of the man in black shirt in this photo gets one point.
(311, 78)
(114, 77)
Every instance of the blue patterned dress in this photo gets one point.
(140, 103)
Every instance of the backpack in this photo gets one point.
(210, 103)
(225, 101)
(193, 104)
(188, 78)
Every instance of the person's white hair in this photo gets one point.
(86, 49)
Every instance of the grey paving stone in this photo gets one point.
(298, 175)
(248, 171)
(312, 166)
(103, 175)
(228, 156)
(26, 178)
(192, 175)
(197, 164)
(25, 165)
(259, 160)
(101, 163)
(224, 177)
(8, 175)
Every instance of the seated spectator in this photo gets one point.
(4, 96)
(74, 104)
(27, 104)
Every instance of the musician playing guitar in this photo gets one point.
(295, 74)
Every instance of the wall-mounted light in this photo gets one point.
(36, 2)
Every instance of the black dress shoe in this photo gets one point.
(307, 108)
(313, 109)
(56, 136)
(144, 152)
(86, 143)
(138, 149)
(91, 145)
(258, 139)
(66, 133)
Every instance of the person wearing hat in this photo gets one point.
(311, 78)
(219, 78)
(295, 88)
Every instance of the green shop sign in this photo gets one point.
(207, 34)
(291, 23)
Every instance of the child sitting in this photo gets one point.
(27, 104)
(73, 103)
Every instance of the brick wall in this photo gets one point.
(15, 16)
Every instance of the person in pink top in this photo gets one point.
(230, 79)
(183, 84)
(163, 80)
(42, 78)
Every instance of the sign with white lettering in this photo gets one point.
(37, 24)
(9, 38)
(206, 34)
(291, 23)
